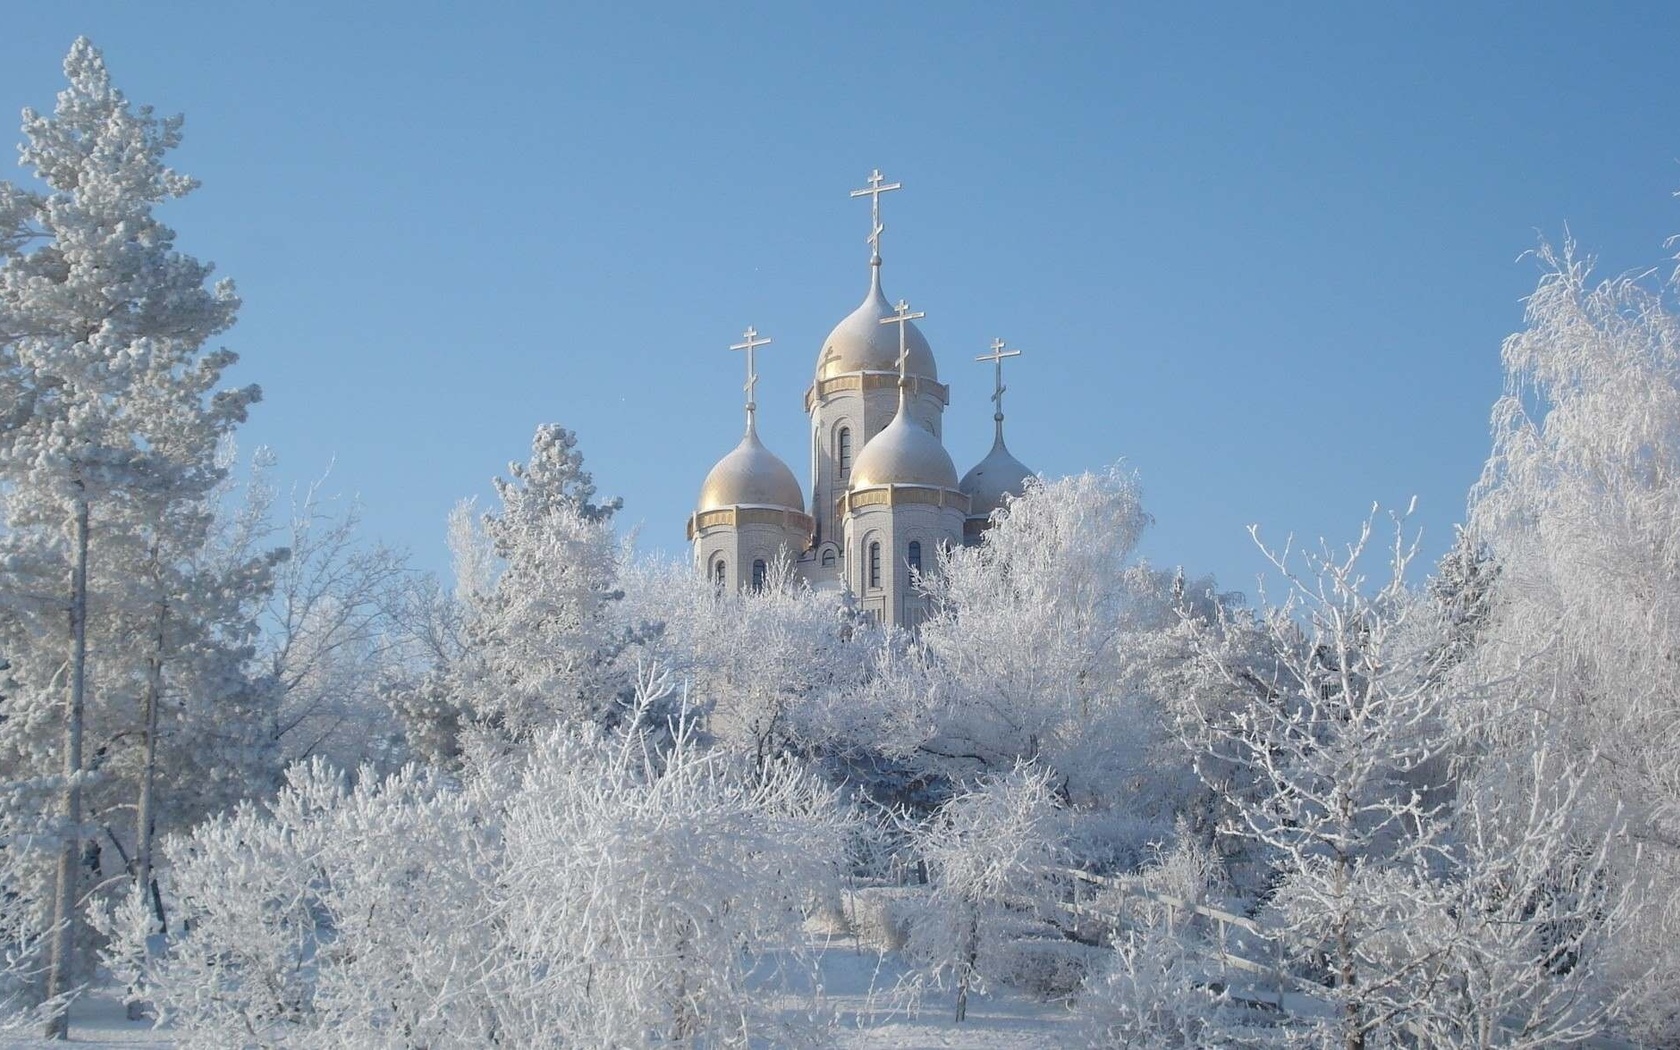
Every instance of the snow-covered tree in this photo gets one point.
(332, 631)
(990, 850)
(107, 457)
(1579, 507)
(599, 890)
(1451, 912)
(768, 668)
(543, 641)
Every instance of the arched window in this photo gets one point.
(718, 574)
(843, 444)
(874, 565)
(828, 557)
(915, 556)
(758, 574)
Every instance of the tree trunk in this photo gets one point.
(61, 968)
(970, 957)
(145, 817)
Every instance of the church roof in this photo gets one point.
(861, 343)
(997, 476)
(751, 476)
(904, 453)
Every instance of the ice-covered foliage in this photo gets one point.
(991, 853)
(128, 643)
(543, 641)
(772, 670)
(1579, 511)
(1407, 904)
(599, 891)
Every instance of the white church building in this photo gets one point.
(884, 495)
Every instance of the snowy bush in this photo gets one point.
(991, 852)
(601, 892)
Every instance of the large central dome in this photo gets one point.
(861, 343)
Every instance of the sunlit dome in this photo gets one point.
(861, 343)
(904, 453)
(751, 475)
(997, 476)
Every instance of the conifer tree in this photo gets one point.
(107, 465)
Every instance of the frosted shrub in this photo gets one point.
(600, 893)
(989, 851)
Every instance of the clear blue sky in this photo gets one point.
(1263, 253)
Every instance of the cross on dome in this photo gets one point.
(902, 317)
(877, 186)
(751, 343)
(996, 357)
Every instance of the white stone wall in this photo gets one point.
(740, 546)
(895, 601)
(866, 413)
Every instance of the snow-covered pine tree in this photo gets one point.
(108, 455)
(541, 639)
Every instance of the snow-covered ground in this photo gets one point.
(862, 991)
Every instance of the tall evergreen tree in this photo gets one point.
(108, 462)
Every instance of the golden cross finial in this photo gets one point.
(902, 317)
(877, 186)
(996, 357)
(751, 343)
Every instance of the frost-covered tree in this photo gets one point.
(1579, 505)
(333, 629)
(543, 641)
(1465, 912)
(990, 850)
(1047, 643)
(600, 890)
(107, 456)
(770, 669)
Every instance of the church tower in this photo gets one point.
(750, 517)
(902, 506)
(855, 394)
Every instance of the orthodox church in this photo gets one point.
(885, 495)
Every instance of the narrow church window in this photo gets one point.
(828, 558)
(845, 445)
(718, 574)
(758, 575)
(915, 558)
(874, 565)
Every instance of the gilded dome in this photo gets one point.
(752, 476)
(904, 453)
(998, 475)
(861, 343)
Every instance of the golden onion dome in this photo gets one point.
(994, 478)
(750, 476)
(861, 343)
(904, 453)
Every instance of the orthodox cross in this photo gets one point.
(901, 318)
(751, 342)
(877, 186)
(996, 357)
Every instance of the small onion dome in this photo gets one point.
(904, 453)
(998, 475)
(861, 343)
(750, 476)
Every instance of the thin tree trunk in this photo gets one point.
(145, 817)
(61, 969)
(970, 957)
